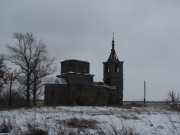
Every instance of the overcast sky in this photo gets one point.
(147, 37)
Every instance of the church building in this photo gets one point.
(75, 85)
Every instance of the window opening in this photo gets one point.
(107, 68)
(116, 68)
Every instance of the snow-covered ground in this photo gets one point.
(93, 120)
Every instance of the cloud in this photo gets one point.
(146, 36)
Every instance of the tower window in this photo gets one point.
(107, 68)
(116, 68)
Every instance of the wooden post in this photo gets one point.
(144, 92)
(10, 91)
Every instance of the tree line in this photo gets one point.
(33, 64)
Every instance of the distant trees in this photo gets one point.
(3, 78)
(7, 94)
(31, 56)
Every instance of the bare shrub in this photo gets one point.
(173, 100)
(5, 127)
(128, 117)
(135, 104)
(59, 128)
(124, 130)
(33, 129)
(75, 126)
(82, 123)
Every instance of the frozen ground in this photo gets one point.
(92, 120)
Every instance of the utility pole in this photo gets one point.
(10, 96)
(144, 92)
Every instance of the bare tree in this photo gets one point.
(173, 98)
(28, 54)
(43, 68)
(4, 74)
(3, 71)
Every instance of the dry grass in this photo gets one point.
(5, 127)
(82, 123)
(174, 126)
(123, 130)
(33, 129)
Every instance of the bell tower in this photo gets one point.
(113, 76)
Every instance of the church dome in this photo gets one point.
(60, 81)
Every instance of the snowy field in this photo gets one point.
(90, 120)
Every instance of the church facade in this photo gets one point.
(75, 85)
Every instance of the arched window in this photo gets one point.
(117, 68)
(107, 68)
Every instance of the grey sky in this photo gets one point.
(147, 37)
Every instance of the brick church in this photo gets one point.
(75, 85)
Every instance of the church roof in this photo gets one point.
(113, 56)
(103, 85)
(53, 80)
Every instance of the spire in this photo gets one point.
(113, 56)
(113, 42)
